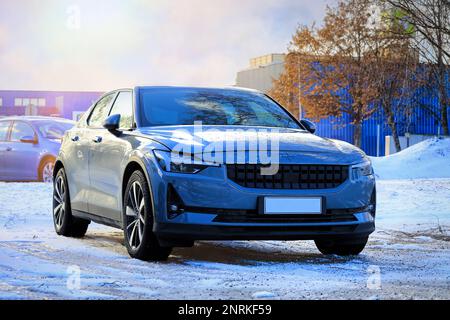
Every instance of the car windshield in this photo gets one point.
(184, 106)
(53, 129)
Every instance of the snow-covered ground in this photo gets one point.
(407, 257)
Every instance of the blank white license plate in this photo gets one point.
(291, 205)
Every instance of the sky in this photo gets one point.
(107, 44)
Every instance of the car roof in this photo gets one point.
(231, 88)
(36, 118)
(137, 88)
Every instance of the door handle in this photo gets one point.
(75, 139)
(97, 139)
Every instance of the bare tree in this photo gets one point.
(430, 20)
(398, 84)
(398, 72)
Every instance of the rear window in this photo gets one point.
(4, 126)
(53, 129)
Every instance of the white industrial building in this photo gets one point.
(262, 72)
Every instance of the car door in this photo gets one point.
(76, 154)
(76, 161)
(106, 160)
(22, 159)
(93, 129)
(4, 149)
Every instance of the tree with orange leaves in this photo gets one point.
(332, 70)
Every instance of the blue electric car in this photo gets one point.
(171, 165)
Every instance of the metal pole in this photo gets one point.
(378, 139)
(299, 89)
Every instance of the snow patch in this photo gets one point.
(427, 159)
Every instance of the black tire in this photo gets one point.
(137, 213)
(342, 247)
(373, 203)
(65, 224)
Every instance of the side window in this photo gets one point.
(100, 111)
(4, 126)
(21, 129)
(124, 107)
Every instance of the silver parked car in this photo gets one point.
(29, 146)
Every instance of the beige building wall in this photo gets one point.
(261, 73)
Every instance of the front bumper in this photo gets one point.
(199, 228)
(232, 210)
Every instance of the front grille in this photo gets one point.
(289, 176)
(261, 218)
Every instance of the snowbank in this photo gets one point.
(427, 159)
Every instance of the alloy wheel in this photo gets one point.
(47, 172)
(135, 215)
(59, 204)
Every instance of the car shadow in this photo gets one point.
(216, 252)
(245, 253)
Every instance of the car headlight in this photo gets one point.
(180, 164)
(362, 169)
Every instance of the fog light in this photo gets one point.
(175, 205)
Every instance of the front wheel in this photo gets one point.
(140, 240)
(342, 247)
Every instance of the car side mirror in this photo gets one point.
(308, 125)
(29, 139)
(112, 123)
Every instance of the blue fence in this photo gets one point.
(420, 122)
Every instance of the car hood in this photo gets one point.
(293, 145)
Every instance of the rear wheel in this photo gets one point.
(45, 171)
(65, 224)
(342, 247)
(140, 240)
